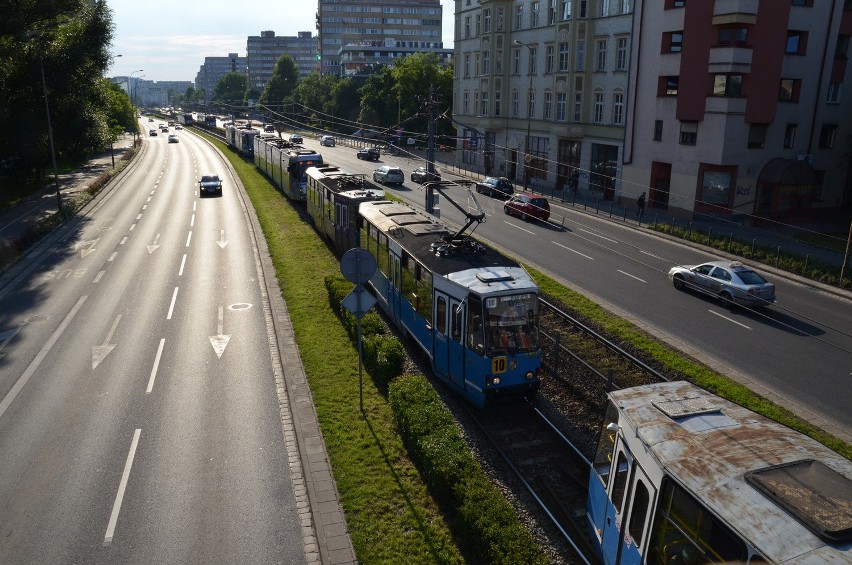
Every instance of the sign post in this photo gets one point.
(358, 266)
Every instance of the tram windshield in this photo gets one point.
(511, 323)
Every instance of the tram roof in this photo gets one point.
(416, 232)
(786, 493)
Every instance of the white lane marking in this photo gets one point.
(632, 276)
(97, 278)
(19, 384)
(133, 227)
(188, 239)
(192, 221)
(123, 240)
(139, 217)
(153, 191)
(144, 207)
(122, 486)
(153, 247)
(182, 263)
(518, 227)
(573, 250)
(172, 306)
(194, 204)
(729, 319)
(99, 352)
(222, 241)
(597, 235)
(155, 367)
(652, 255)
(112, 257)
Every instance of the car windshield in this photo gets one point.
(511, 323)
(750, 277)
(209, 178)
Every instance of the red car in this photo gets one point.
(526, 207)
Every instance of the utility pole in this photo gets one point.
(430, 151)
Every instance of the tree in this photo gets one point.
(230, 89)
(120, 111)
(284, 78)
(69, 40)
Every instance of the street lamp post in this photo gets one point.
(527, 157)
(130, 91)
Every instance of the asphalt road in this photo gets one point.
(139, 420)
(797, 352)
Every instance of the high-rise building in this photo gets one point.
(355, 35)
(265, 50)
(214, 68)
(540, 89)
(738, 107)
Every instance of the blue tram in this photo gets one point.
(333, 197)
(241, 138)
(683, 476)
(472, 310)
(285, 164)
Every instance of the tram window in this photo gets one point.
(409, 288)
(638, 512)
(382, 258)
(424, 292)
(619, 483)
(456, 324)
(606, 443)
(686, 532)
(475, 333)
(441, 315)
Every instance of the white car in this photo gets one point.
(327, 140)
(387, 174)
(173, 138)
(729, 282)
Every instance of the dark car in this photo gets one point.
(269, 128)
(210, 184)
(420, 174)
(526, 207)
(152, 132)
(296, 138)
(496, 187)
(368, 154)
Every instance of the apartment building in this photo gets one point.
(354, 36)
(264, 50)
(738, 106)
(214, 68)
(541, 89)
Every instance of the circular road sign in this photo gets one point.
(358, 265)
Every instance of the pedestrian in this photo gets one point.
(640, 203)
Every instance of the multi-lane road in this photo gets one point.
(139, 420)
(797, 352)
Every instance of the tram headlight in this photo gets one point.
(529, 375)
(493, 380)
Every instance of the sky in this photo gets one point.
(169, 40)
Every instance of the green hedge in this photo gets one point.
(492, 531)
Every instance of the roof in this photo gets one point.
(728, 456)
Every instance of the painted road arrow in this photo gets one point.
(86, 247)
(99, 352)
(152, 248)
(222, 241)
(220, 341)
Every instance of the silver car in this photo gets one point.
(729, 282)
(387, 174)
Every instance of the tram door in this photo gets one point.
(624, 535)
(456, 342)
(441, 340)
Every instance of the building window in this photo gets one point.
(516, 104)
(467, 65)
(598, 103)
(497, 103)
(658, 130)
(467, 27)
(675, 4)
(621, 54)
(688, 133)
(733, 36)
(757, 136)
(578, 106)
(618, 108)
(531, 104)
(484, 109)
(534, 15)
(566, 9)
(551, 13)
(672, 42)
(833, 94)
(532, 62)
(519, 16)
(668, 86)
(548, 105)
(728, 85)
(604, 8)
(561, 102)
(801, 2)
(826, 136)
(549, 56)
(475, 102)
(790, 136)
(842, 47)
(600, 55)
(466, 103)
(486, 20)
(498, 62)
(789, 90)
(476, 66)
(580, 64)
(563, 57)
(796, 42)
(516, 61)
(486, 62)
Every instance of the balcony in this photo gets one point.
(724, 105)
(729, 60)
(735, 12)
